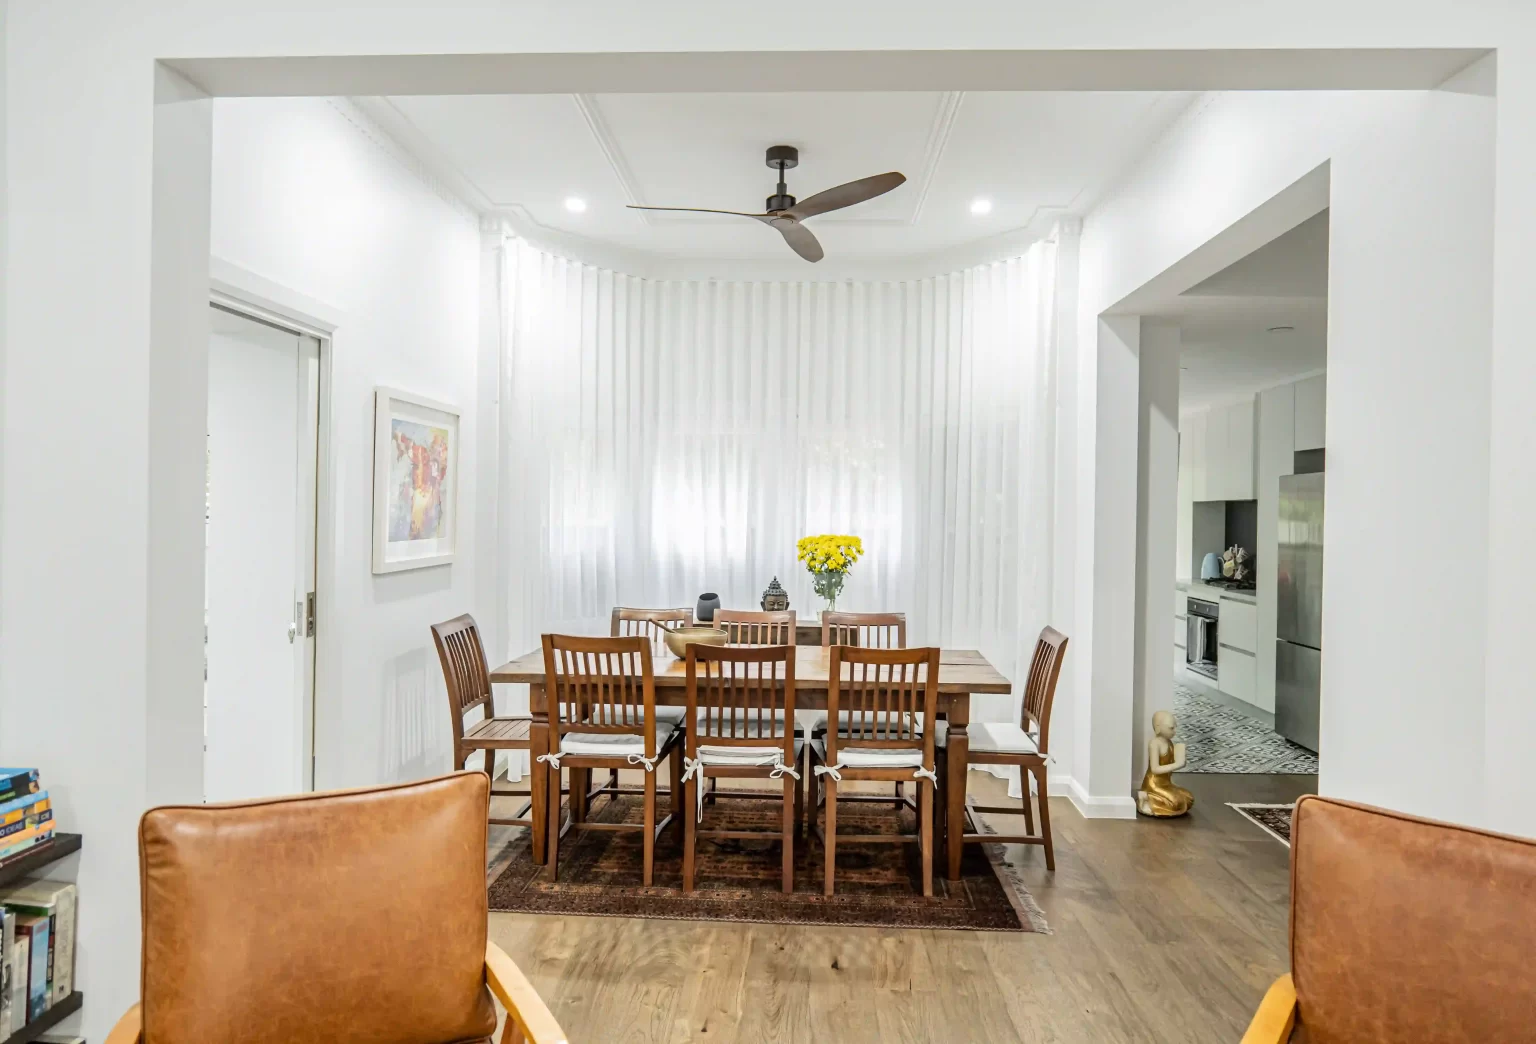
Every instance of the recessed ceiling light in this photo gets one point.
(981, 206)
(1281, 329)
(575, 204)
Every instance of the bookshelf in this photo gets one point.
(26, 865)
(47, 1020)
(35, 859)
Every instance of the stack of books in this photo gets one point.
(37, 932)
(26, 815)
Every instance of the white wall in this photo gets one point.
(1399, 407)
(305, 197)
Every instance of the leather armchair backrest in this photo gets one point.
(1405, 929)
(349, 916)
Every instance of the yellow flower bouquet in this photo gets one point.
(828, 558)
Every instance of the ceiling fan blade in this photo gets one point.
(799, 238)
(701, 210)
(846, 195)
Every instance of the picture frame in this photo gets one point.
(415, 481)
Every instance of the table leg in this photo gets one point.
(957, 754)
(538, 772)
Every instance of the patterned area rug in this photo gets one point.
(878, 885)
(1220, 739)
(1274, 820)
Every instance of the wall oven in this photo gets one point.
(1200, 642)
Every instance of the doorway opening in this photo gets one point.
(261, 528)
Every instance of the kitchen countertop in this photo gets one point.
(1201, 589)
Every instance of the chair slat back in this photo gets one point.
(649, 623)
(604, 684)
(465, 670)
(743, 627)
(1040, 688)
(865, 630)
(741, 692)
(880, 693)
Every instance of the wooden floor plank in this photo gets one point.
(1161, 931)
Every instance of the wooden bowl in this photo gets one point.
(680, 638)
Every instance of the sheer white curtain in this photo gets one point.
(665, 438)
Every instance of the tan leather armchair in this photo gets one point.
(355, 915)
(1403, 930)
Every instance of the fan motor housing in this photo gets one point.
(781, 158)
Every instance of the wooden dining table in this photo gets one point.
(962, 672)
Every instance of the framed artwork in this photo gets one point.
(415, 481)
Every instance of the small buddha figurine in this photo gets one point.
(1159, 795)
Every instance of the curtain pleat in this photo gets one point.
(666, 438)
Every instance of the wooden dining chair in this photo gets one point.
(468, 678)
(741, 702)
(649, 624)
(1025, 745)
(609, 690)
(749, 627)
(886, 694)
(865, 630)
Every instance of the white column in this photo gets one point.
(1157, 487)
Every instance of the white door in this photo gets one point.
(263, 399)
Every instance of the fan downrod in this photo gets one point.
(781, 158)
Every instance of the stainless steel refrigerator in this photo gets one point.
(1299, 644)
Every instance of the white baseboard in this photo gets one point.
(1112, 806)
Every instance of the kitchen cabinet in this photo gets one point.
(1239, 625)
(1219, 441)
(1236, 672)
(1311, 397)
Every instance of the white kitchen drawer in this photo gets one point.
(1180, 631)
(1237, 673)
(1180, 602)
(1239, 625)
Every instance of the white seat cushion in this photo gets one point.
(612, 744)
(873, 757)
(719, 755)
(992, 737)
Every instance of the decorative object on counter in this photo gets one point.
(775, 599)
(1234, 563)
(704, 612)
(679, 638)
(1159, 796)
(1210, 566)
(828, 557)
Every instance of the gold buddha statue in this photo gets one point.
(1159, 795)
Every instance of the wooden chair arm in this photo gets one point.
(528, 1018)
(129, 1028)
(1276, 1017)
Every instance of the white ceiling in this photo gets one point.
(1035, 155)
(1230, 347)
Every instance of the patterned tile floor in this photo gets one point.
(1220, 739)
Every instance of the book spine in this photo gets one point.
(18, 844)
(7, 968)
(22, 803)
(14, 784)
(65, 905)
(37, 975)
(19, 824)
(21, 961)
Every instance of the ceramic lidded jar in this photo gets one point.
(705, 611)
(775, 599)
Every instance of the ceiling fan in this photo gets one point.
(788, 216)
